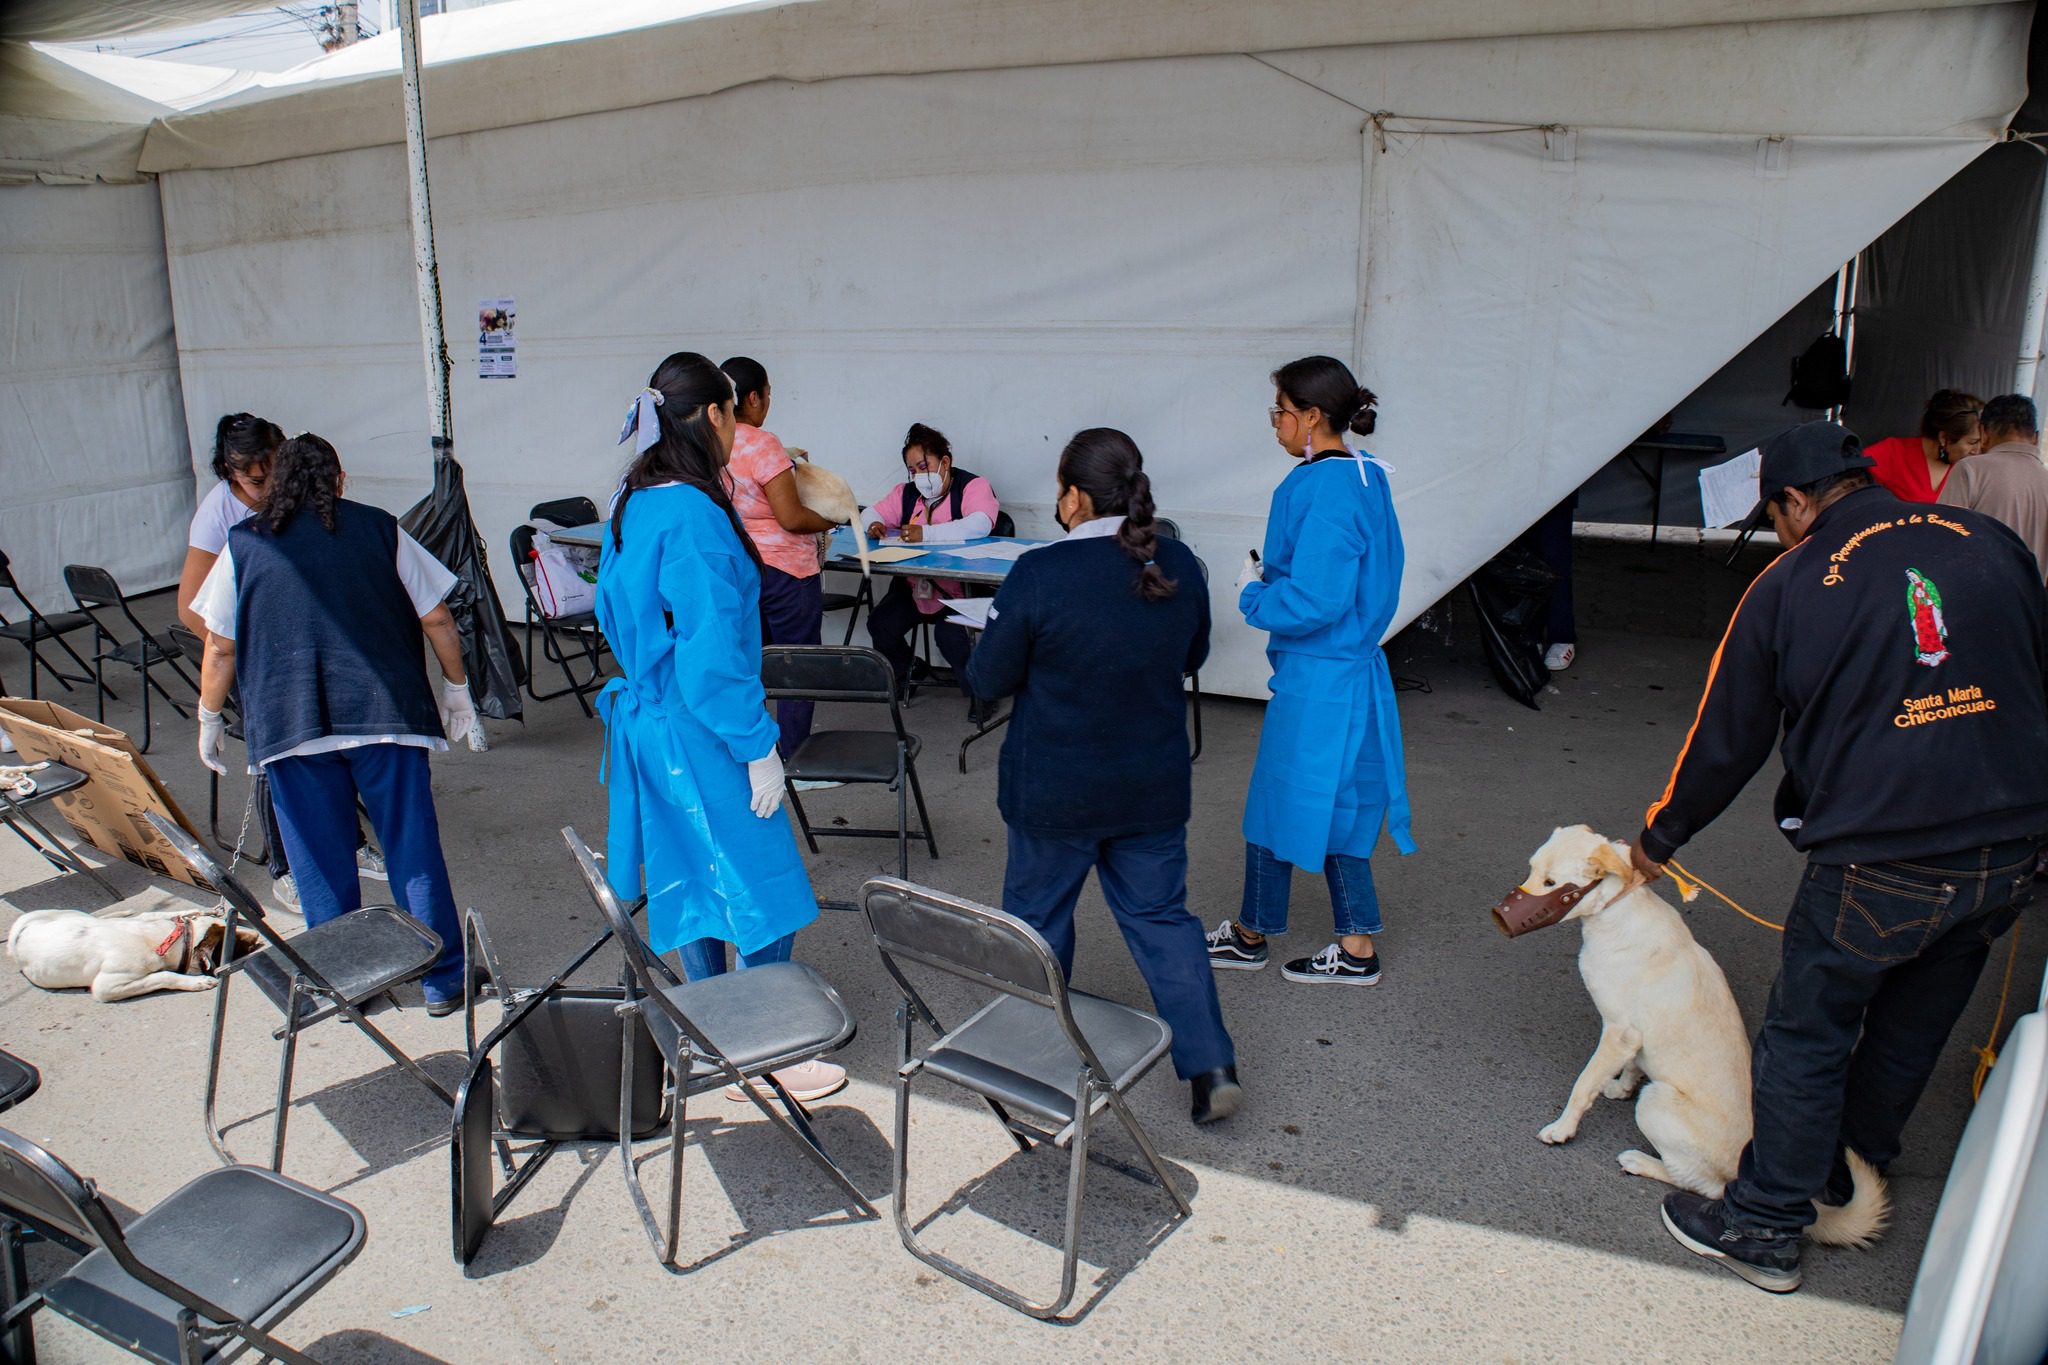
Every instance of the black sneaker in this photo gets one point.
(1333, 967)
(1230, 953)
(1700, 1225)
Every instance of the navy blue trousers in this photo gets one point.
(315, 797)
(1144, 878)
(1552, 541)
(792, 613)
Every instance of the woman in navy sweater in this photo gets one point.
(1092, 635)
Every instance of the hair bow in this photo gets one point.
(642, 422)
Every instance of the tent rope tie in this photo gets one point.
(2033, 140)
(1690, 886)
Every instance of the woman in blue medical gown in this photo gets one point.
(1329, 774)
(691, 767)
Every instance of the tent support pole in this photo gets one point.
(2029, 367)
(407, 13)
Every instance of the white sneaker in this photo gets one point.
(370, 863)
(807, 1082)
(1559, 657)
(287, 892)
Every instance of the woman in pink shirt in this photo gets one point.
(936, 504)
(782, 528)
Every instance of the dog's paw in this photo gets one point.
(1644, 1165)
(1558, 1132)
(1620, 1088)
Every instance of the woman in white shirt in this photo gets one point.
(243, 447)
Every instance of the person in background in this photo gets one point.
(1896, 663)
(1915, 468)
(936, 505)
(1551, 538)
(783, 530)
(317, 607)
(691, 766)
(2007, 482)
(1093, 636)
(1329, 773)
(243, 447)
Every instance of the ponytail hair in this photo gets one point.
(305, 472)
(1327, 384)
(687, 451)
(1105, 464)
(242, 441)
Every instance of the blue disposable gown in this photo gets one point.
(1329, 774)
(681, 726)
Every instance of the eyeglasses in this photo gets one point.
(1276, 412)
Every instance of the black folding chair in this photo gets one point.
(544, 1076)
(326, 970)
(97, 593)
(35, 628)
(844, 673)
(1170, 528)
(572, 642)
(1038, 1048)
(204, 1276)
(52, 781)
(724, 1030)
(18, 1080)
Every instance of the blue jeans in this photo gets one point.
(706, 957)
(1354, 904)
(315, 797)
(1879, 961)
(1144, 877)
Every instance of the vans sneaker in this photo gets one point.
(1700, 1225)
(1334, 967)
(1230, 953)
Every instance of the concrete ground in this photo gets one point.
(1382, 1195)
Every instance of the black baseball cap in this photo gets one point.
(1804, 455)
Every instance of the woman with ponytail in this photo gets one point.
(1330, 772)
(691, 767)
(1092, 636)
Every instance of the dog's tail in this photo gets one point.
(860, 541)
(1858, 1222)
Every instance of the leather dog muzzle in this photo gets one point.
(1523, 912)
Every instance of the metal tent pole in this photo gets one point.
(424, 266)
(2029, 366)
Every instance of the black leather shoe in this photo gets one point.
(980, 712)
(1216, 1095)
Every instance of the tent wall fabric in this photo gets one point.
(1014, 254)
(92, 424)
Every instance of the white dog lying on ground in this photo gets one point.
(1666, 1016)
(118, 955)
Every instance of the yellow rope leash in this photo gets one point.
(1987, 1056)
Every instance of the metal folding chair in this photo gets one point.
(565, 512)
(725, 1030)
(1038, 1048)
(35, 628)
(843, 673)
(18, 1080)
(572, 642)
(325, 971)
(204, 1276)
(52, 780)
(96, 592)
(541, 1078)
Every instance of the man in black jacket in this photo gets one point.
(1902, 650)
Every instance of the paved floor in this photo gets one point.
(1382, 1195)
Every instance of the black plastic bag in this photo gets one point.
(441, 523)
(1510, 595)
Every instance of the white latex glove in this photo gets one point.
(764, 775)
(213, 734)
(1253, 572)
(458, 712)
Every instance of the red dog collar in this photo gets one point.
(184, 924)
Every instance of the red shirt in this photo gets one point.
(1902, 468)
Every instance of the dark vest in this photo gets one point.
(326, 638)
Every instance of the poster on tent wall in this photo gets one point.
(497, 348)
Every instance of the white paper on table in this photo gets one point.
(994, 549)
(969, 611)
(1728, 489)
(964, 622)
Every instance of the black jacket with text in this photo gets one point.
(1902, 648)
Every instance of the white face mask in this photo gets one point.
(929, 485)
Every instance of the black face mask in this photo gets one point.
(1056, 510)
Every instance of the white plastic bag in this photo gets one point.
(564, 578)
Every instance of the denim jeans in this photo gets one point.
(1354, 904)
(706, 956)
(1879, 961)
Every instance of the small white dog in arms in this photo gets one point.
(830, 496)
(119, 954)
(1669, 1024)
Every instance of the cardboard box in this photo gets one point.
(107, 811)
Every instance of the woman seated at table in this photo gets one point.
(1915, 467)
(938, 504)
